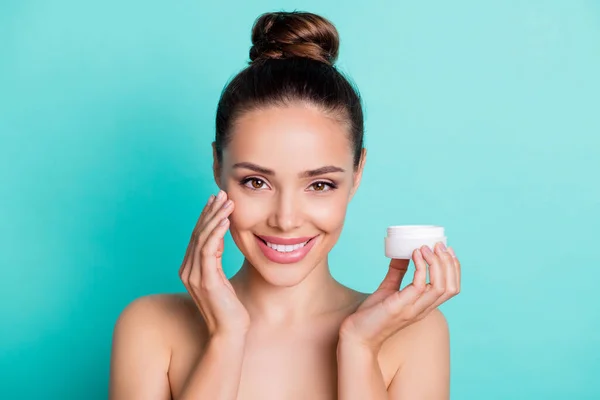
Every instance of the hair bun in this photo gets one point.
(280, 35)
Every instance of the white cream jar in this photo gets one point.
(402, 240)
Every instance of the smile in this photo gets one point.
(285, 250)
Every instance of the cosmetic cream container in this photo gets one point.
(402, 240)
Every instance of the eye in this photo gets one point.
(254, 183)
(322, 186)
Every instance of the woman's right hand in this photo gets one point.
(202, 274)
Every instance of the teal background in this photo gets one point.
(482, 116)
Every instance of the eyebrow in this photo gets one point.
(306, 174)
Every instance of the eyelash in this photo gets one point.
(245, 181)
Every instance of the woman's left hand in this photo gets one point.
(389, 309)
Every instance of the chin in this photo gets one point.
(283, 275)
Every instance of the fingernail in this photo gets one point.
(426, 250)
(451, 252)
(223, 221)
(442, 246)
(227, 203)
(220, 195)
(211, 199)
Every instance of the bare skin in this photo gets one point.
(274, 331)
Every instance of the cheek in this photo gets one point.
(248, 210)
(329, 214)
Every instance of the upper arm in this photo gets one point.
(424, 372)
(140, 354)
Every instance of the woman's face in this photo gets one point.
(290, 172)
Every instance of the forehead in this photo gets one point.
(295, 137)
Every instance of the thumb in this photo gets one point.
(220, 248)
(396, 272)
(399, 264)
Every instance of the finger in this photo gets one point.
(457, 267)
(395, 274)
(420, 278)
(437, 286)
(220, 200)
(399, 264)
(436, 303)
(437, 275)
(430, 299)
(449, 268)
(220, 248)
(399, 301)
(223, 212)
(186, 258)
(210, 263)
(191, 244)
(209, 203)
(195, 272)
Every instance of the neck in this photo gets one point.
(318, 294)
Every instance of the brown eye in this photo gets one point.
(322, 186)
(254, 184)
(319, 186)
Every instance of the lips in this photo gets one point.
(285, 250)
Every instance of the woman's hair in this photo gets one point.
(291, 60)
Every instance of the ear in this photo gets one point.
(359, 172)
(216, 166)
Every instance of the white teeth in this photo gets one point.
(286, 248)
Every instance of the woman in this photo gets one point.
(288, 158)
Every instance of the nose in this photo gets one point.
(287, 212)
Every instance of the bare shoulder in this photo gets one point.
(163, 318)
(420, 355)
(154, 311)
(433, 327)
(142, 344)
(429, 332)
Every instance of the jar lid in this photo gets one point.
(415, 231)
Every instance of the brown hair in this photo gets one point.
(292, 59)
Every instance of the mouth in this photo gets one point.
(285, 250)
